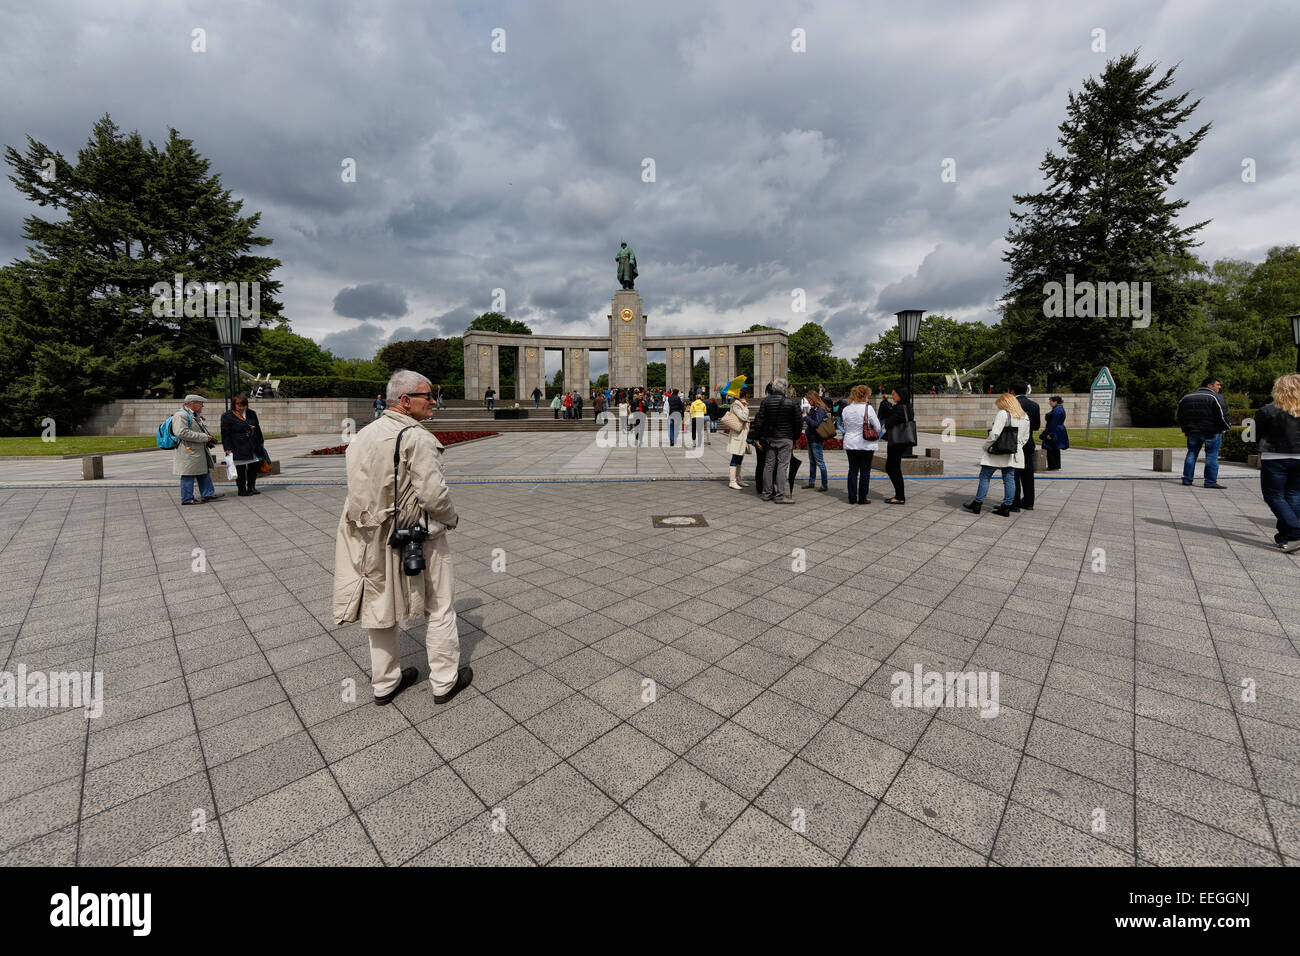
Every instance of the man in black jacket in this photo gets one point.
(676, 415)
(1025, 476)
(776, 426)
(1203, 417)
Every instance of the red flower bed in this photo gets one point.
(831, 444)
(447, 438)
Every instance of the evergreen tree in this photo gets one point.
(1105, 216)
(77, 318)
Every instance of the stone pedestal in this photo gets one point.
(626, 340)
(92, 467)
(1162, 459)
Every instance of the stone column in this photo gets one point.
(471, 370)
(720, 367)
(495, 378)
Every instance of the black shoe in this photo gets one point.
(808, 487)
(896, 501)
(1217, 487)
(195, 502)
(823, 488)
(1015, 508)
(463, 678)
(1027, 507)
(241, 494)
(409, 674)
(253, 491)
(1002, 511)
(1188, 484)
(974, 507)
(219, 494)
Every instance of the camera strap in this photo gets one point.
(397, 458)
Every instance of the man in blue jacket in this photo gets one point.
(1203, 417)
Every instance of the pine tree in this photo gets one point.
(77, 319)
(1105, 216)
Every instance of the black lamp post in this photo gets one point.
(1295, 336)
(909, 330)
(229, 332)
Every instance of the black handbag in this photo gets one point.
(1008, 439)
(904, 434)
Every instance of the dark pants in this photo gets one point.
(859, 474)
(1053, 458)
(1025, 479)
(246, 476)
(894, 468)
(1279, 481)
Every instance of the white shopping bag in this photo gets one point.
(231, 473)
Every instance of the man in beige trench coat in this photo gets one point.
(370, 585)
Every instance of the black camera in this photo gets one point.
(410, 541)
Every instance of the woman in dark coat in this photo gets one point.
(1055, 439)
(894, 414)
(241, 436)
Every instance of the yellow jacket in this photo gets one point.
(698, 409)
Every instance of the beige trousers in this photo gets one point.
(441, 637)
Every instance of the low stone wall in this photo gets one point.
(279, 416)
(977, 411)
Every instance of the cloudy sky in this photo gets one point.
(520, 168)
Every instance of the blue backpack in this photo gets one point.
(165, 437)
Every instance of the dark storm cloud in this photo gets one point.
(522, 170)
(370, 302)
(360, 341)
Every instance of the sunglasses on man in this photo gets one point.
(428, 395)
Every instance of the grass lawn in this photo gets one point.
(1119, 437)
(77, 444)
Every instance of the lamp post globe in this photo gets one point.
(229, 333)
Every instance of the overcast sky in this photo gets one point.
(522, 170)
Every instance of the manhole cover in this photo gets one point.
(679, 521)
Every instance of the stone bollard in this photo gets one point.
(1162, 459)
(1253, 461)
(1040, 460)
(92, 467)
(934, 453)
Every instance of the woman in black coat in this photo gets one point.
(241, 436)
(893, 414)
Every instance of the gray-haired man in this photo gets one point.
(371, 583)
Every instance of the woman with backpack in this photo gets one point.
(1004, 451)
(241, 437)
(900, 436)
(818, 415)
(860, 425)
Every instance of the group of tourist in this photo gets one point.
(242, 444)
(395, 470)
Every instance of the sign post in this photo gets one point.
(1101, 403)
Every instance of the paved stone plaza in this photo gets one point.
(657, 695)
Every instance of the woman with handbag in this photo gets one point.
(818, 426)
(900, 436)
(861, 439)
(736, 423)
(241, 437)
(1004, 451)
(1055, 438)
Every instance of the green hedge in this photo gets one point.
(1234, 449)
(329, 386)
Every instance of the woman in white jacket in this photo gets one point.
(857, 448)
(1010, 415)
(738, 445)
